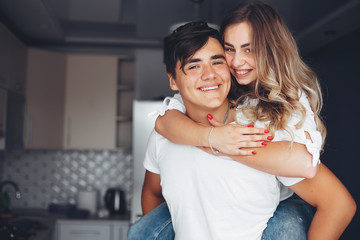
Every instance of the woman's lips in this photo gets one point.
(242, 72)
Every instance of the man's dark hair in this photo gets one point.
(185, 41)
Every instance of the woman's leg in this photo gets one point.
(154, 225)
(291, 220)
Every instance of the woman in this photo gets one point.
(278, 91)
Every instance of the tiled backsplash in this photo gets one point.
(55, 176)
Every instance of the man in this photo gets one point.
(214, 197)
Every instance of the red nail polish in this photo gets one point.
(270, 137)
(266, 131)
(253, 152)
(250, 125)
(264, 143)
(210, 117)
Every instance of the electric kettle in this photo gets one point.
(114, 200)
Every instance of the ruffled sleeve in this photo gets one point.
(169, 103)
(298, 135)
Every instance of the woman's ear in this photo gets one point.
(172, 82)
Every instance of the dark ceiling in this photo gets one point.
(131, 24)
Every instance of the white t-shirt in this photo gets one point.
(212, 197)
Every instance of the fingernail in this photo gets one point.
(266, 131)
(210, 117)
(264, 143)
(250, 125)
(270, 137)
(253, 152)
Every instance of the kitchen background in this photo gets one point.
(78, 78)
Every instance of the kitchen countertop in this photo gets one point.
(50, 219)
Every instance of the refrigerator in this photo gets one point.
(142, 127)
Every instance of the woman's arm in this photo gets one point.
(277, 158)
(229, 139)
(335, 206)
(281, 159)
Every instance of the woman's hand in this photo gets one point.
(234, 139)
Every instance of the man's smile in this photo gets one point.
(209, 88)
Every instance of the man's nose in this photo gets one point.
(208, 73)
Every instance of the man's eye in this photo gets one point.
(193, 67)
(218, 62)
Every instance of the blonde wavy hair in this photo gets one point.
(282, 74)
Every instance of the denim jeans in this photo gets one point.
(291, 220)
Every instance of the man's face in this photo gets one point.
(205, 81)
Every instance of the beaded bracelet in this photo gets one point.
(214, 151)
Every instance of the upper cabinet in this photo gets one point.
(125, 96)
(71, 101)
(12, 62)
(90, 102)
(45, 99)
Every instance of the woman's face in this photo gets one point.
(238, 53)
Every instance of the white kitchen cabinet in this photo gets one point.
(119, 230)
(73, 231)
(71, 101)
(91, 230)
(45, 99)
(90, 101)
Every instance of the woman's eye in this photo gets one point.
(248, 50)
(229, 50)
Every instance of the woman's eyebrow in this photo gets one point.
(230, 45)
(241, 46)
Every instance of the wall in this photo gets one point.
(12, 61)
(337, 66)
(151, 81)
(55, 176)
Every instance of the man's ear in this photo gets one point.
(172, 82)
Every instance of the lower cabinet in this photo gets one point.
(91, 230)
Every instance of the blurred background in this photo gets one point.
(78, 78)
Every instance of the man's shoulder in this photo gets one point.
(156, 139)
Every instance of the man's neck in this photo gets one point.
(219, 114)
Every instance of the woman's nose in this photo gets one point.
(238, 60)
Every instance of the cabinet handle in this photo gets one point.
(85, 232)
(68, 137)
(29, 136)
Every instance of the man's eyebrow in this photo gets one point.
(193, 60)
(218, 56)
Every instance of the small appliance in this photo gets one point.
(114, 200)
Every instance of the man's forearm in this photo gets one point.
(335, 206)
(148, 203)
(326, 226)
(151, 195)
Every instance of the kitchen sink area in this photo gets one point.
(48, 196)
(27, 224)
(40, 224)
